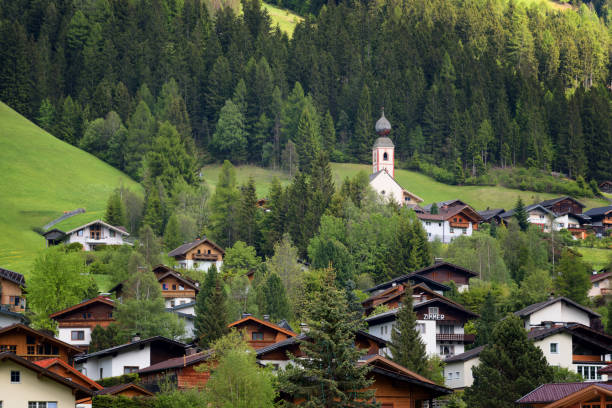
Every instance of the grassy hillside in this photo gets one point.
(285, 19)
(598, 257)
(420, 184)
(41, 177)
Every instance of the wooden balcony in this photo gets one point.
(205, 257)
(577, 358)
(36, 357)
(459, 224)
(188, 293)
(468, 338)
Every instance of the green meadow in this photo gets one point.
(285, 19)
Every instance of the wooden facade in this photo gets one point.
(569, 395)
(563, 205)
(606, 187)
(181, 371)
(173, 285)
(205, 250)
(35, 345)
(442, 272)
(261, 333)
(11, 295)
(65, 370)
(90, 313)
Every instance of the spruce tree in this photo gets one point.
(329, 375)
(510, 367)
(224, 203)
(572, 278)
(487, 321)
(276, 304)
(520, 214)
(406, 346)
(211, 310)
(609, 314)
(308, 138)
(247, 214)
(206, 290)
(364, 128)
(172, 233)
(115, 211)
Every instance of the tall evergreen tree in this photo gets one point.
(172, 233)
(213, 324)
(364, 128)
(520, 214)
(224, 204)
(572, 278)
(308, 138)
(510, 367)
(115, 210)
(201, 306)
(487, 321)
(329, 376)
(230, 137)
(247, 214)
(406, 345)
(274, 298)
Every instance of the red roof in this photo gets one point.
(263, 323)
(600, 276)
(177, 362)
(101, 299)
(552, 392)
(48, 362)
(606, 370)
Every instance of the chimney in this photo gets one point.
(136, 338)
(304, 328)
(266, 318)
(245, 315)
(190, 351)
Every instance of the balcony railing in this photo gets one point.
(455, 337)
(36, 357)
(205, 257)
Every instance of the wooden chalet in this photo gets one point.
(11, 295)
(392, 297)
(76, 323)
(179, 370)
(563, 205)
(444, 272)
(412, 279)
(492, 216)
(569, 395)
(199, 254)
(452, 219)
(64, 370)
(261, 333)
(176, 289)
(606, 187)
(601, 219)
(34, 345)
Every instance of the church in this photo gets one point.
(382, 179)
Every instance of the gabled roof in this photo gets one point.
(598, 211)
(14, 277)
(391, 314)
(97, 299)
(119, 388)
(528, 208)
(553, 201)
(54, 234)
(446, 211)
(21, 327)
(468, 355)
(78, 390)
(263, 323)
(183, 249)
(488, 214)
(127, 346)
(180, 278)
(454, 267)
(580, 331)
(49, 362)
(5, 311)
(177, 362)
(413, 277)
(538, 306)
(120, 230)
(600, 276)
(555, 394)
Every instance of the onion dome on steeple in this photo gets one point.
(383, 127)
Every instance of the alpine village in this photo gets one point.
(306, 203)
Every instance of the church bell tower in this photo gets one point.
(383, 151)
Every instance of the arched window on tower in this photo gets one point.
(385, 156)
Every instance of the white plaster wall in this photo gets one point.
(384, 182)
(563, 358)
(202, 265)
(282, 364)
(378, 159)
(441, 230)
(66, 336)
(31, 388)
(113, 366)
(188, 310)
(104, 235)
(602, 284)
(177, 301)
(429, 337)
(453, 368)
(559, 312)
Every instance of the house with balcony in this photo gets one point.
(448, 220)
(34, 345)
(601, 284)
(76, 323)
(12, 285)
(90, 235)
(440, 322)
(261, 333)
(200, 254)
(601, 219)
(558, 311)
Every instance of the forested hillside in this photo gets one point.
(465, 83)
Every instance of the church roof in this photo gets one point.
(383, 127)
(383, 142)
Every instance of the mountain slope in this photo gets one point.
(40, 178)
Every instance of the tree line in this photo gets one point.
(465, 84)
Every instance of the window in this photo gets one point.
(130, 369)
(452, 230)
(77, 335)
(14, 300)
(31, 349)
(420, 327)
(209, 252)
(457, 375)
(101, 372)
(8, 347)
(439, 224)
(427, 223)
(589, 372)
(164, 286)
(183, 302)
(95, 231)
(80, 233)
(111, 233)
(385, 156)
(447, 349)
(596, 284)
(110, 315)
(181, 287)
(433, 310)
(449, 375)
(447, 329)
(15, 377)
(455, 219)
(172, 304)
(554, 348)
(257, 336)
(173, 287)
(464, 231)
(382, 192)
(42, 404)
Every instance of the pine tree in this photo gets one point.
(201, 307)
(520, 214)
(224, 203)
(308, 138)
(609, 313)
(247, 214)
(172, 233)
(364, 128)
(328, 376)
(406, 346)
(115, 210)
(459, 174)
(510, 367)
(572, 278)
(486, 322)
(154, 212)
(275, 302)
(213, 323)
(230, 137)
(46, 116)
(328, 133)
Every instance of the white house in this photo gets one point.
(186, 312)
(448, 220)
(8, 317)
(91, 235)
(560, 310)
(128, 358)
(382, 179)
(601, 284)
(199, 254)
